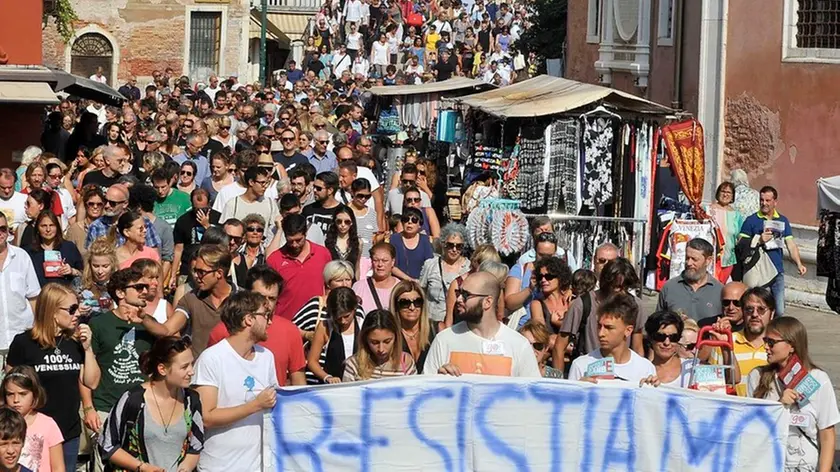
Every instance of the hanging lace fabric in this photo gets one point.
(530, 183)
(597, 188)
(499, 222)
(563, 167)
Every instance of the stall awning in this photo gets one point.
(292, 25)
(456, 83)
(272, 32)
(86, 88)
(36, 93)
(545, 95)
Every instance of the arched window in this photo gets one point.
(89, 52)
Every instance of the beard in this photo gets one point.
(692, 275)
(753, 329)
(473, 314)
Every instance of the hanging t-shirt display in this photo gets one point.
(682, 232)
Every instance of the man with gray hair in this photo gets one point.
(695, 293)
(192, 152)
(319, 156)
(269, 115)
(116, 158)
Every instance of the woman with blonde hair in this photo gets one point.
(100, 264)
(58, 346)
(380, 354)
(95, 162)
(223, 134)
(30, 155)
(152, 161)
(336, 274)
(810, 446)
(409, 303)
(540, 340)
(156, 306)
(483, 253)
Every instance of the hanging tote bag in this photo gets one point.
(759, 269)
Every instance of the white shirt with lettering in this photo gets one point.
(634, 370)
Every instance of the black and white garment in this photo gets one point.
(563, 167)
(530, 182)
(597, 184)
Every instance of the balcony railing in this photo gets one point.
(291, 5)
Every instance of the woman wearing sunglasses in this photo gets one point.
(413, 248)
(58, 346)
(409, 303)
(342, 239)
(554, 284)
(439, 272)
(539, 337)
(186, 178)
(664, 329)
(810, 446)
(381, 353)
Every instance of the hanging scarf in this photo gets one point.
(684, 145)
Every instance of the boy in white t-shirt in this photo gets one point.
(236, 381)
(616, 321)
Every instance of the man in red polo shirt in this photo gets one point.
(284, 339)
(301, 264)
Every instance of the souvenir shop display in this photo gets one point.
(498, 222)
(828, 242)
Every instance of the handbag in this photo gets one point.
(759, 269)
(414, 19)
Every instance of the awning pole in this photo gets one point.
(263, 22)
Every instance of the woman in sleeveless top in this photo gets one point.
(336, 339)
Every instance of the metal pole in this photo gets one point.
(263, 61)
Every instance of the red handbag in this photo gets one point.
(414, 19)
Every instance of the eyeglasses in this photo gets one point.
(139, 287)
(187, 173)
(186, 125)
(455, 246)
(771, 343)
(224, 127)
(236, 239)
(410, 219)
(343, 222)
(255, 229)
(406, 303)
(538, 346)
(56, 176)
(201, 273)
(548, 277)
(4, 229)
(266, 315)
(421, 172)
(661, 337)
(362, 196)
(323, 142)
(113, 203)
(759, 310)
(71, 310)
(414, 200)
(726, 303)
(461, 293)
(407, 181)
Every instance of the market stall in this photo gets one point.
(603, 164)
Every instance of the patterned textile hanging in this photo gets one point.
(684, 145)
(563, 167)
(597, 188)
(530, 185)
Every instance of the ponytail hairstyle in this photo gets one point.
(341, 300)
(163, 351)
(378, 319)
(124, 222)
(793, 332)
(24, 377)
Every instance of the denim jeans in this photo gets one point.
(71, 453)
(777, 287)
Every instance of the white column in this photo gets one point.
(712, 91)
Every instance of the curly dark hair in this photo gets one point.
(353, 236)
(555, 266)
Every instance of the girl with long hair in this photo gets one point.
(220, 175)
(336, 339)
(113, 133)
(156, 307)
(37, 201)
(342, 238)
(132, 226)
(42, 448)
(380, 353)
(165, 430)
(409, 303)
(810, 447)
(100, 264)
(58, 346)
(54, 259)
(169, 145)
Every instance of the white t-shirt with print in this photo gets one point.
(236, 446)
(818, 412)
(634, 370)
(506, 343)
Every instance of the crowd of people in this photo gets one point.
(166, 265)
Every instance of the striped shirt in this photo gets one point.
(351, 369)
(748, 358)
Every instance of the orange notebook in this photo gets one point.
(473, 363)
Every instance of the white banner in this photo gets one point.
(483, 423)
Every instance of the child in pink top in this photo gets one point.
(42, 450)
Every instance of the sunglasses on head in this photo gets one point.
(405, 303)
(410, 219)
(661, 337)
(736, 303)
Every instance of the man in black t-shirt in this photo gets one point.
(322, 211)
(116, 157)
(445, 69)
(189, 229)
(289, 157)
(315, 65)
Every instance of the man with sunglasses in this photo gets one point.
(236, 382)
(19, 289)
(408, 179)
(118, 339)
(322, 212)
(319, 156)
(289, 157)
(732, 314)
(695, 292)
(116, 203)
(257, 180)
(480, 344)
